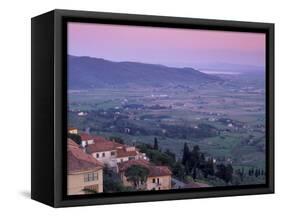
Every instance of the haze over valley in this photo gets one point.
(223, 114)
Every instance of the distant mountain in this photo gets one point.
(89, 72)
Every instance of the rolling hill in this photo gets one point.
(89, 72)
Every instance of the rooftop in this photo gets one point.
(101, 144)
(70, 142)
(153, 170)
(86, 136)
(78, 160)
(121, 152)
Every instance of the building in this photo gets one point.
(82, 113)
(159, 177)
(110, 153)
(86, 139)
(126, 153)
(85, 173)
(72, 130)
(104, 151)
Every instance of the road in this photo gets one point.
(177, 184)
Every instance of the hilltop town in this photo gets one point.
(97, 164)
(90, 156)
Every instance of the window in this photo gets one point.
(158, 181)
(90, 177)
(131, 158)
(103, 154)
(97, 155)
(96, 176)
(153, 180)
(112, 153)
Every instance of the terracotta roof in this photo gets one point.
(123, 153)
(70, 142)
(159, 171)
(85, 136)
(153, 170)
(78, 160)
(102, 145)
(72, 128)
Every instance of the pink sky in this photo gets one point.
(167, 46)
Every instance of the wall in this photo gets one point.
(15, 106)
(76, 182)
(107, 158)
(164, 182)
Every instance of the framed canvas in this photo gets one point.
(134, 108)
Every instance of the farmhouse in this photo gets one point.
(159, 177)
(103, 150)
(126, 153)
(110, 153)
(84, 173)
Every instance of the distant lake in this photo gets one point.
(214, 72)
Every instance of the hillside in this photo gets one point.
(88, 72)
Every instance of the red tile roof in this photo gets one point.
(70, 142)
(123, 153)
(101, 145)
(159, 171)
(86, 136)
(78, 160)
(99, 139)
(153, 170)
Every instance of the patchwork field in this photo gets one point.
(225, 119)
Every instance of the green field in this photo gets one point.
(226, 123)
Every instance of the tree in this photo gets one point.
(194, 158)
(75, 137)
(112, 183)
(117, 139)
(194, 174)
(137, 175)
(179, 171)
(224, 172)
(170, 154)
(257, 172)
(186, 154)
(155, 143)
(207, 167)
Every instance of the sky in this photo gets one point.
(166, 46)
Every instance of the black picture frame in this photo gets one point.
(49, 106)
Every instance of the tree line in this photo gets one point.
(194, 161)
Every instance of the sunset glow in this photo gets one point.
(167, 46)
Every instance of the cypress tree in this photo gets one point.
(185, 155)
(155, 143)
(194, 174)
